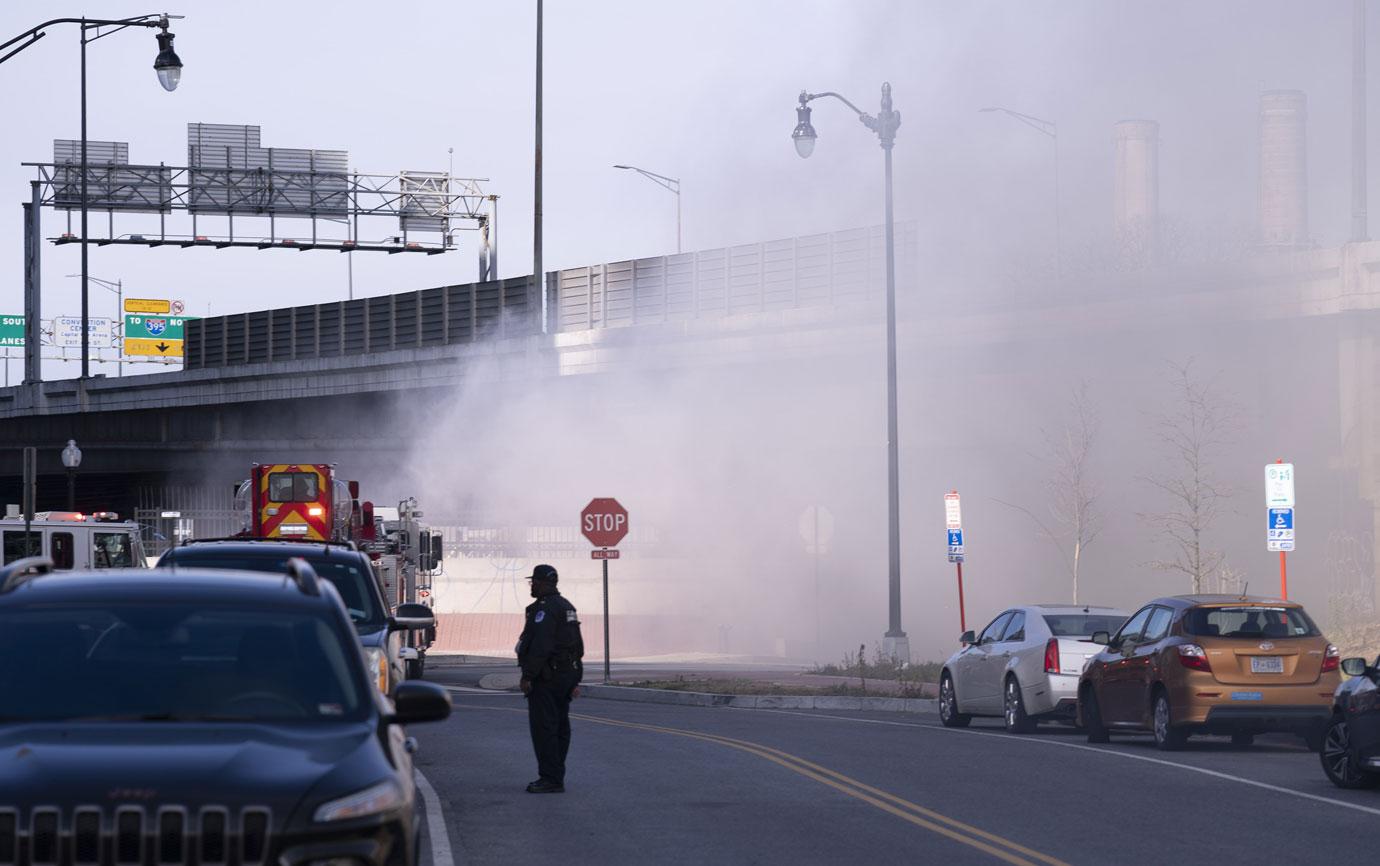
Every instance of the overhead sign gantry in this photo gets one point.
(233, 192)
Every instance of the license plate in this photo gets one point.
(1247, 696)
(1267, 664)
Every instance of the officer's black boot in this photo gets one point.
(545, 786)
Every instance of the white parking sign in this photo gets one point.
(1279, 485)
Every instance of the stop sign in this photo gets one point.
(604, 522)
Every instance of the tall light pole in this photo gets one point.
(169, 68)
(538, 278)
(118, 287)
(671, 184)
(885, 124)
(1051, 129)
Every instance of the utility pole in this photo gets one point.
(1360, 231)
(538, 277)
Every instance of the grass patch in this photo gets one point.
(882, 667)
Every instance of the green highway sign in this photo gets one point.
(11, 331)
(146, 327)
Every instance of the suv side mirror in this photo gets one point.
(1101, 637)
(416, 701)
(968, 638)
(1354, 667)
(412, 617)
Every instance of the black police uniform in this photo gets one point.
(550, 653)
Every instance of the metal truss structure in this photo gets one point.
(309, 197)
(423, 204)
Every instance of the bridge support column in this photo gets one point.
(1358, 355)
(33, 245)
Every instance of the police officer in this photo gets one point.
(550, 652)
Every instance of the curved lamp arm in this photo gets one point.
(33, 34)
(805, 98)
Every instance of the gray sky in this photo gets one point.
(705, 91)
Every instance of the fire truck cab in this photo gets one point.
(73, 540)
(302, 501)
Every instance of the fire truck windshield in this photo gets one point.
(293, 487)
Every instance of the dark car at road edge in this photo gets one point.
(199, 716)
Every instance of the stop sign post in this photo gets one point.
(604, 522)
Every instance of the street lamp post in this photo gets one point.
(671, 184)
(169, 68)
(885, 124)
(1051, 129)
(71, 458)
(118, 287)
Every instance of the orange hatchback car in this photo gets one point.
(1211, 664)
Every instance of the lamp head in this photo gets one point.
(71, 455)
(168, 65)
(804, 135)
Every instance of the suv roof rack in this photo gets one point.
(22, 570)
(348, 545)
(304, 576)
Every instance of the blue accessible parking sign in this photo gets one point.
(955, 545)
(1279, 532)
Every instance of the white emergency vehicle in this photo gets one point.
(72, 540)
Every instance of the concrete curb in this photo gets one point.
(759, 702)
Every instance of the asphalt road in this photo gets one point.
(666, 784)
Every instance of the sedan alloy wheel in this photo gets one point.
(1336, 758)
(948, 704)
(1017, 722)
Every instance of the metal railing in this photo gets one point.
(826, 270)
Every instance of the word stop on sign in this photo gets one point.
(605, 522)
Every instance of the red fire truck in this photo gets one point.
(305, 501)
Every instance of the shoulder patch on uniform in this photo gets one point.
(570, 616)
(541, 615)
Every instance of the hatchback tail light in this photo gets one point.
(1332, 659)
(1192, 657)
(1052, 656)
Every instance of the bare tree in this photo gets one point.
(1199, 425)
(1074, 497)
(1074, 520)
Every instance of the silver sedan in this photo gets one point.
(1023, 666)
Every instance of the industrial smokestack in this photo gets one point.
(1360, 231)
(1136, 192)
(1283, 170)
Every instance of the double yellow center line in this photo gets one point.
(966, 834)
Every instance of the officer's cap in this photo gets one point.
(544, 573)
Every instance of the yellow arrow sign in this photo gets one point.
(156, 348)
(146, 305)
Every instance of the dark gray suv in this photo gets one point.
(198, 717)
(347, 568)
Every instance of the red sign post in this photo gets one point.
(604, 522)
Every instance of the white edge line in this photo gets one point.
(1034, 741)
(470, 690)
(435, 823)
